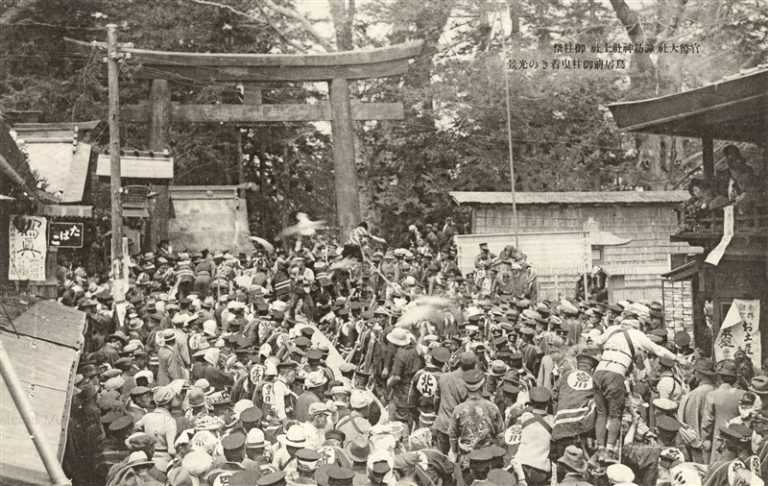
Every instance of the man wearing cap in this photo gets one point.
(115, 450)
(476, 422)
(484, 258)
(139, 402)
(307, 462)
(670, 386)
(642, 455)
(255, 458)
(572, 467)
(693, 403)
(721, 405)
(316, 362)
(620, 345)
(425, 389)
(356, 423)
(405, 364)
(734, 461)
(161, 424)
(282, 398)
(535, 438)
(233, 446)
(313, 390)
(575, 398)
(317, 423)
(453, 391)
(170, 364)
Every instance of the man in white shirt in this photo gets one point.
(535, 439)
(282, 396)
(621, 344)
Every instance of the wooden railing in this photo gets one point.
(749, 220)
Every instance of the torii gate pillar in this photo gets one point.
(345, 177)
(335, 68)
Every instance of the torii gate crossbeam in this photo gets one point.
(335, 68)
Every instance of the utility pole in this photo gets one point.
(114, 153)
(505, 67)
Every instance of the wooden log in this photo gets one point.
(345, 173)
(115, 190)
(150, 57)
(358, 64)
(708, 157)
(245, 114)
(214, 74)
(159, 114)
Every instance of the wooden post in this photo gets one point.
(345, 172)
(708, 157)
(240, 169)
(160, 119)
(114, 144)
(251, 96)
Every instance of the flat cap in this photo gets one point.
(233, 441)
(484, 454)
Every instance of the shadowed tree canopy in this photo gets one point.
(454, 136)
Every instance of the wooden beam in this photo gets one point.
(39, 127)
(345, 171)
(245, 114)
(358, 64)
(708, 157)
(405, 50)
(214, 74)
(159, 115)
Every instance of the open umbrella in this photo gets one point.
(263, 243)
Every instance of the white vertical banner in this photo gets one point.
(717, 252)
(27, 247)
(740, 330)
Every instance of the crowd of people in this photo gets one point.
(359, 364)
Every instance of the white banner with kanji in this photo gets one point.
(27, 247)
(740, 330)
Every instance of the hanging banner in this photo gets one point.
(27, 247)
(717, 252)
(740, 330)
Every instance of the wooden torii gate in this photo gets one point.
(337, 69)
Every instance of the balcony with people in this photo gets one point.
(736, 182)
(734, 111)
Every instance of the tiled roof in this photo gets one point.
(572, 197)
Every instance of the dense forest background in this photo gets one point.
(454, 136)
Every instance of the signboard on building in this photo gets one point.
(65, 235)
(27, 247)
(740, 330)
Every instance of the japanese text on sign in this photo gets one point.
(683, 48)
(566, 64)
(66, 235)
(28, 245)
(740, 331)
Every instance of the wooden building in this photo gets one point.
(628, 231)
(735, 110)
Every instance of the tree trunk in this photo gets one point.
(655, 153)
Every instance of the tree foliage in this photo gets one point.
(454, 136)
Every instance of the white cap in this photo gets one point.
(255, 439)
(145, 374)
(359, 399)
(619, 473)
(211, 356)
(209, 327)
(114, 383)
(241, 405)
